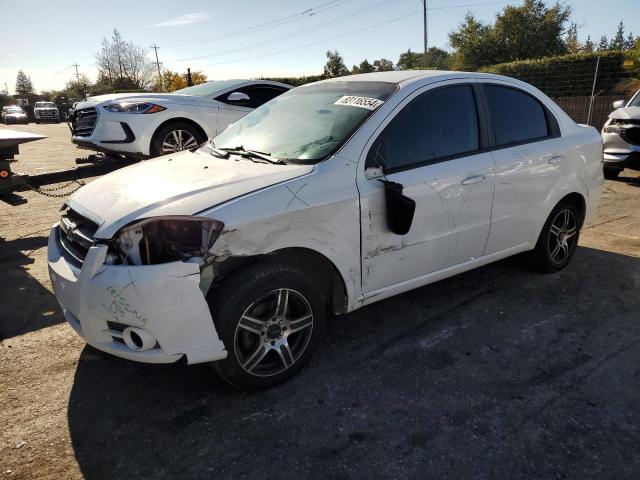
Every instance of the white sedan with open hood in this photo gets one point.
(142, 125)
(330, 197)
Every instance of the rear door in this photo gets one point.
(529, 160)
(432, 147)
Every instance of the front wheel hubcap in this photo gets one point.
(562, 236)
(178, 140)
(273, 332)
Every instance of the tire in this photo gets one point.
(266, 343)
(558, 239)
(611, 173)
(188, 137)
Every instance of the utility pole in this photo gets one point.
(155, 47)
(424, 11)
(77, 74)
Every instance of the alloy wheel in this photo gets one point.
(273, 332)
(178, 140)
(562, 236)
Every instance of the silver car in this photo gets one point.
(621, 137)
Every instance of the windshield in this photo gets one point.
(635, 101)
(14, 110)
(44, 105)
(209, 88)
(308, 123)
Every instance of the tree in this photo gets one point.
(172, 81)
(618, 42)
(604, 44)
(410, 60)
(530, 30)
(383, 65)
(335, 66)
(630, 43)
(364, 67)
(79, 88)
(24, 86)
(571, 42)
(588, 45)
(124, 66)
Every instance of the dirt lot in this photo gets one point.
(497, 373)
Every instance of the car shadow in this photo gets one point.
(26, 304)
(497, 372)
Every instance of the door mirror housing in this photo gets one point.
(618, 104)
(238, 98)
(400, 208)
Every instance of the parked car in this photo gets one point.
(621, 136)
(332, 196)
(150, 124)
(46, 112)
(14, 114)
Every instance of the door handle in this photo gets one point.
(472, 180)
(555, 160)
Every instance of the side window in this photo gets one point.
(517, 116)
(438, 124)
(258, 95)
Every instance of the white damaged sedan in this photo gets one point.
(330, 197)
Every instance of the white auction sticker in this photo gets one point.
(362, 102)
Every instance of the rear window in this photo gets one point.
(517, 117)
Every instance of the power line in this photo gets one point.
(272, 23)
(395, 19)
(331, 23)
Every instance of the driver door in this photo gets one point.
(432, 147)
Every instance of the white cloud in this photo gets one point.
(180, 20)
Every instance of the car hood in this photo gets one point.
(626, 113)
(16, 114)
(180, 184)
(150, 97)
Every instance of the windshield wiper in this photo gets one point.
(216, 152)
(255, 154)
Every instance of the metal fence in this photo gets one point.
(578, 108)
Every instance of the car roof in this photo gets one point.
(405, 77)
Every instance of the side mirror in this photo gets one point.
(618, 104)
(400, 209)
(238, 97)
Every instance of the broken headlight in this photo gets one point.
(164, 239)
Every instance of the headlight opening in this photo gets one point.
(164, 239)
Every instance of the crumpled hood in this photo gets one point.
(180, 184)
(626, 113)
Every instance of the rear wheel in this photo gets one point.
(611, 173)
(270, 318)
(176, 137)
(558, 240)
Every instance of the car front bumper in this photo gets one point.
(619, 154)
(101, 301)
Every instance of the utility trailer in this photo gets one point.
(11, 182)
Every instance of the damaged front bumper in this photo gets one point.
(162, 304)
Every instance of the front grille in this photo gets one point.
(84, 121)
(631, 135)
(76, 236)
(47, 114)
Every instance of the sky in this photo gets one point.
(248, 38)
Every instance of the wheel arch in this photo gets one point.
(323, 272)
(169, 121)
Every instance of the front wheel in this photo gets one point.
(270, 318)
(558, 240)
(176, 137)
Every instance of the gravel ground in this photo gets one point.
(496, 373)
